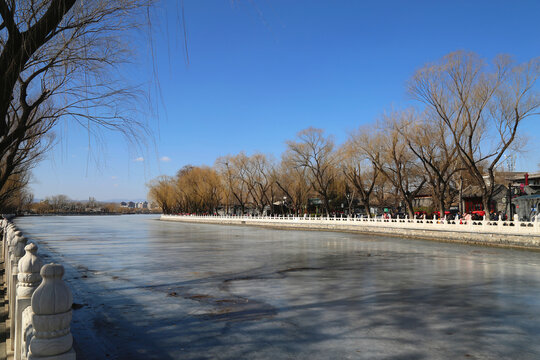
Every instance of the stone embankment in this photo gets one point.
(37, 302)
(516, 234)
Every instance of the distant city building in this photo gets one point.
(135, 205)
(142, 205)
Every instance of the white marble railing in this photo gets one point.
(39, 301)
(499, 226)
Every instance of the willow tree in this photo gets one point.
(482, 105)
(198, 189)
(57, 61)
(162, 190)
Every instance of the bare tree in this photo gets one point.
(58, 203)
(293, 182)
(389, 153)
(482, 106)
(358, 168)
(259, 180)
(432, 143)
(315, 152)
(233, 172)
(55, 62)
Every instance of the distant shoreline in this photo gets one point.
(88, 214)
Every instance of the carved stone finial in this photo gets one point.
(51, 318)
(53, 296)
(12, 235)
(28, 276)
(19, 243)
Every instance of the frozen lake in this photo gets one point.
(166, 290)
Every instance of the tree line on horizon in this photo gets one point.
(468, 117)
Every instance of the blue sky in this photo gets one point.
(260, 71)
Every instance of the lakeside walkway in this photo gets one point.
(503, 233)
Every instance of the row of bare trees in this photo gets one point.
(468, 116)
(374, 167)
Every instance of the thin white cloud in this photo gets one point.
(139, 159)
(165, 159)
(114, 177)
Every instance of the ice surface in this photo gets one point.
(147, 289)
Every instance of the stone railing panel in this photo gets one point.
(463, 225)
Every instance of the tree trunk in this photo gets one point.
(409, 206)
(485, 203)
(441, 207)
(367, 206)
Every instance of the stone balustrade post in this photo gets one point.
(9, 235)
(4, 225)
(12, 234)
(19, 243)
(517, 223)
(51, 317)
(4, 234)
(28, 280)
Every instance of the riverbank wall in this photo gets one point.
(501, 233)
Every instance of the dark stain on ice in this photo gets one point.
(201, 297)
(297, 270)
(76, 306)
